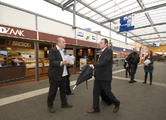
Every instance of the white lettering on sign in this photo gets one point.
(17, 43)
(10, 31)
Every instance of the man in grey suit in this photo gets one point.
(57, 74)
(103, 77)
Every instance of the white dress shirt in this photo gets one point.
(64, 66)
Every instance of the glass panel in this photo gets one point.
(88, 1)
(106, 6)
(64, 1)
(160, 28)
(91, 14)
(111, 10)
(98, 3)
(101, 19)
(79, 6)
(150, 3)
(126, 3)
(59, 1)
(162, 34)
(85, 10)
(96, 16)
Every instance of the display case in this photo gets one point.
(45, 62)
(30, 63)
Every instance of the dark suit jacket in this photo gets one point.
(104, 66)
(55, 70)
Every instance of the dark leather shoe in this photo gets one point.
(116, 109)
(51, 109)
(135, 81)
(144, 82)
(91, 111)
(131, 81)
(70, 94)
(66, 106)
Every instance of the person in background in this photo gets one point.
(92, 61)
(165, 59)
(127, 67)
(68, 90)
(30, 56)
(133, 59)
(148, 67)
(19, 55)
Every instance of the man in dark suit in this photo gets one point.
(103, 77)
(57, 74)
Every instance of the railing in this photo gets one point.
(118, 62)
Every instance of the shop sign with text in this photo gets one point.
(19, 43)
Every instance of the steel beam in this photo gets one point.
(67, 3)
(146, 34)
(136, 12)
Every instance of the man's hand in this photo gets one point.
(65, 62)
(146, 64)
(91, 66)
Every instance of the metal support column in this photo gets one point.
(126, 38)
(110, 36)
(74, 14)
(36, 46)
(95, 55)
(74, 54)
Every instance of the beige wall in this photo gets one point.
(11, 16)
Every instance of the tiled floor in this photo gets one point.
(138, 101)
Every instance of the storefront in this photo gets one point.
(21, 51)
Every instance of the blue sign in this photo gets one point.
(93, 37)
(126, 19)
(126, 28)
(127, 23)
(80, 34)
(88, 29)
(155, 45)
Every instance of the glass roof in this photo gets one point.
(150, 16)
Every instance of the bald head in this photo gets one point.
(135, 49)
(61, 43)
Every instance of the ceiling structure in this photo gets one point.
(150, 16)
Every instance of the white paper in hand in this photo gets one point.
(69, 59)
(147, 61)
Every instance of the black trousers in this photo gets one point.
(106, 86)
(127, 71)
(53, 90)
(133, 71)
(68, 90)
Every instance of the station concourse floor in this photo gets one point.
(138, 101)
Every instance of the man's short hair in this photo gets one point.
(105, 40)
(58, 40)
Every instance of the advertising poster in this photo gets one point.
(83, 62)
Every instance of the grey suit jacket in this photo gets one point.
(55, 70)
(104, 66)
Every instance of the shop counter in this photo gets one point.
(11, 72)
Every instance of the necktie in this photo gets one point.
(101, 52)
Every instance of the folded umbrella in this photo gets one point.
(85, 75)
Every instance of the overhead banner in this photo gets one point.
(156, 44)
(126, 23)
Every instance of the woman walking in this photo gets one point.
(148, 66)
